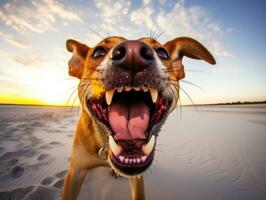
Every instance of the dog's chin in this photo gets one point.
(134, 167)
(131, 118)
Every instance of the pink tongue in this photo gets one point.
(129, 121)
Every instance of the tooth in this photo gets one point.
(143, 158)
(137, 88)
(154, 94)
(138, 160)
(109, 96)
(129, 160)
(120, 89)
(134, 160)
(127, 88)
(126, 160)
(121, 158)
(115, 148)
(147, 148)
(145, 89)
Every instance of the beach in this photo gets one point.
(207, 152)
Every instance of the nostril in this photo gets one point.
(119, 53)
(146, 53)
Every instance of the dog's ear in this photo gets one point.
(184, 46)
(76, 63)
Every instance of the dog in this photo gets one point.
(127, 88)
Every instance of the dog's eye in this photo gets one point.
(162, 53)
(99, 52)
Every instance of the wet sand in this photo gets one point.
(217, 152)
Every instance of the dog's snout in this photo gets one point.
(133, 56)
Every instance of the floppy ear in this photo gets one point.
(184, 46)
(76, 63)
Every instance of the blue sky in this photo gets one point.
(33, 63)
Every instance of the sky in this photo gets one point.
(33, 64)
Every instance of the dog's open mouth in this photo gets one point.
(132, 116)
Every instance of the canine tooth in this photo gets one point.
(147, 148)
(127, 88)
(138, 160)
(143, 158)
(154, 94)
(126, 160)
(115, 148)
(121, 158)
(109, 96)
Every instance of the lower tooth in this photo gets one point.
(126, 160)
(138, 160)
(143, 158)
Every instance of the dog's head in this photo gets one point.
(129, 87)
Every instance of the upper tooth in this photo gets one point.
(121, 158)
(145, 89)
(143, 158)
(115, 148)
(154, 94)
(127, 88)
(137, 88)
(147, 148)
(120, 89)
(109, 96)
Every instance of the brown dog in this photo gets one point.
(127, 89)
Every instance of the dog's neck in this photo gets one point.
(91, 135)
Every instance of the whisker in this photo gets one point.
(96, 79)
(73, 93)
(186, 70)
(180, 107)
(179, 87)
(98, 34)
(173, 93)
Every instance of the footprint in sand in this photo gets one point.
(61, 174)
(47, 180)
(45, 146)
(12, 162)
(17, 172)
(55, 143)
(43, 156)
(59, 184)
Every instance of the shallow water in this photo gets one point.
(217, 152)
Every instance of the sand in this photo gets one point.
(217, 152)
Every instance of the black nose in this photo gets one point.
(133, 55)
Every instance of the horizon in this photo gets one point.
(33, 36)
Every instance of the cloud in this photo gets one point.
(36, 16)
(15, 40)
(175, 20)
(112, 12)
(28, 60)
